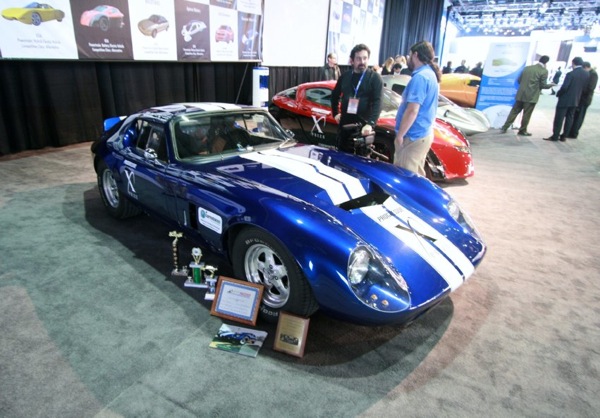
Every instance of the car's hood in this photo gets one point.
(469, 121)
(390, 223)
(14, 12)
(147, 24)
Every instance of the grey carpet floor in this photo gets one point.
(92, 325)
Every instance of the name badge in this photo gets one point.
(353, 106)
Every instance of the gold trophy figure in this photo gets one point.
(176, 270)
(211, 280)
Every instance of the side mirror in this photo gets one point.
(150, 154)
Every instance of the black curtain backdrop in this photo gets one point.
(407, 22)
(57, 103)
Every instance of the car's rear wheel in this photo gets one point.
(260, 258)
(117, 205)
(36, 19)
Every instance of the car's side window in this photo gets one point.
(158, 143)
(320, 96)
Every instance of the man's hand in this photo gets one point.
(338, 117)
(367, 130)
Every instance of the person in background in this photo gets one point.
(586, 100)
(396, 69)
(331, 71)
(568, 96)
(386, 68)
(556, 79)
(359, 94)
(400, 59)
(448, 68)
(531, 81)
(416, 114)
(477, 70)
(462, 68)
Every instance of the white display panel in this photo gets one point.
(295, 33)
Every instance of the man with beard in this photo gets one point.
(356, 97)
(416, 114)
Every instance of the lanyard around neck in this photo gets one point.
(358, 84)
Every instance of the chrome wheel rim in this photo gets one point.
(264, 266)
(109, 187)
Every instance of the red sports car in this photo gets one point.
(306, 111)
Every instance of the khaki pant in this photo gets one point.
(411, 154)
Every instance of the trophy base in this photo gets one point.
(179, 273)
(191, 283)
(209, 296)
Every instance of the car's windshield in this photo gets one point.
(202, 134)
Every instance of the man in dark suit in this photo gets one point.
(586, 100)
(569, 96)
(531, 81)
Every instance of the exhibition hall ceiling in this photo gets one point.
(519, 17)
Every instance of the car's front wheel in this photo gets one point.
(260, 258)
(36, 19)
(117, 205)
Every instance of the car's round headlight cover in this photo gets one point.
(375, 282)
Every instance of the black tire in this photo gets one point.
(117, 205)
(260, 258)
(386, 147)
(104, 24)
(154, 32)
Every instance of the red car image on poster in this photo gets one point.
(103, 17)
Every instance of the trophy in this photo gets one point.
(211, 280)
(176, 270)
(196, 267)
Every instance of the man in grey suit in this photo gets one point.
(569, 96)
(531, 81)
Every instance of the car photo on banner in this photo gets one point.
(306, 111)
(153, 25)
(360, 239)
(33, 14)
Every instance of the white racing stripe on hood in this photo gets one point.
(340, 187)
(431, 248)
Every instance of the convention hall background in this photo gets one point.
(57, 103)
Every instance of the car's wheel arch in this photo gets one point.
(293, 237)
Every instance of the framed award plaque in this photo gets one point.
(237, 300)
(291, 334)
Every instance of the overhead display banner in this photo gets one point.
(353, 22)
(138, 30)
(498, 88)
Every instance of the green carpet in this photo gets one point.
(91, 324)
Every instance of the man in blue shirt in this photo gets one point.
(416, 114)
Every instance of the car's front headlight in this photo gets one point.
(461, 217)
(375, 283)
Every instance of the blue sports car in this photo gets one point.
(360, 239)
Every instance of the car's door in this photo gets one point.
(318, 125)
(145, 164)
